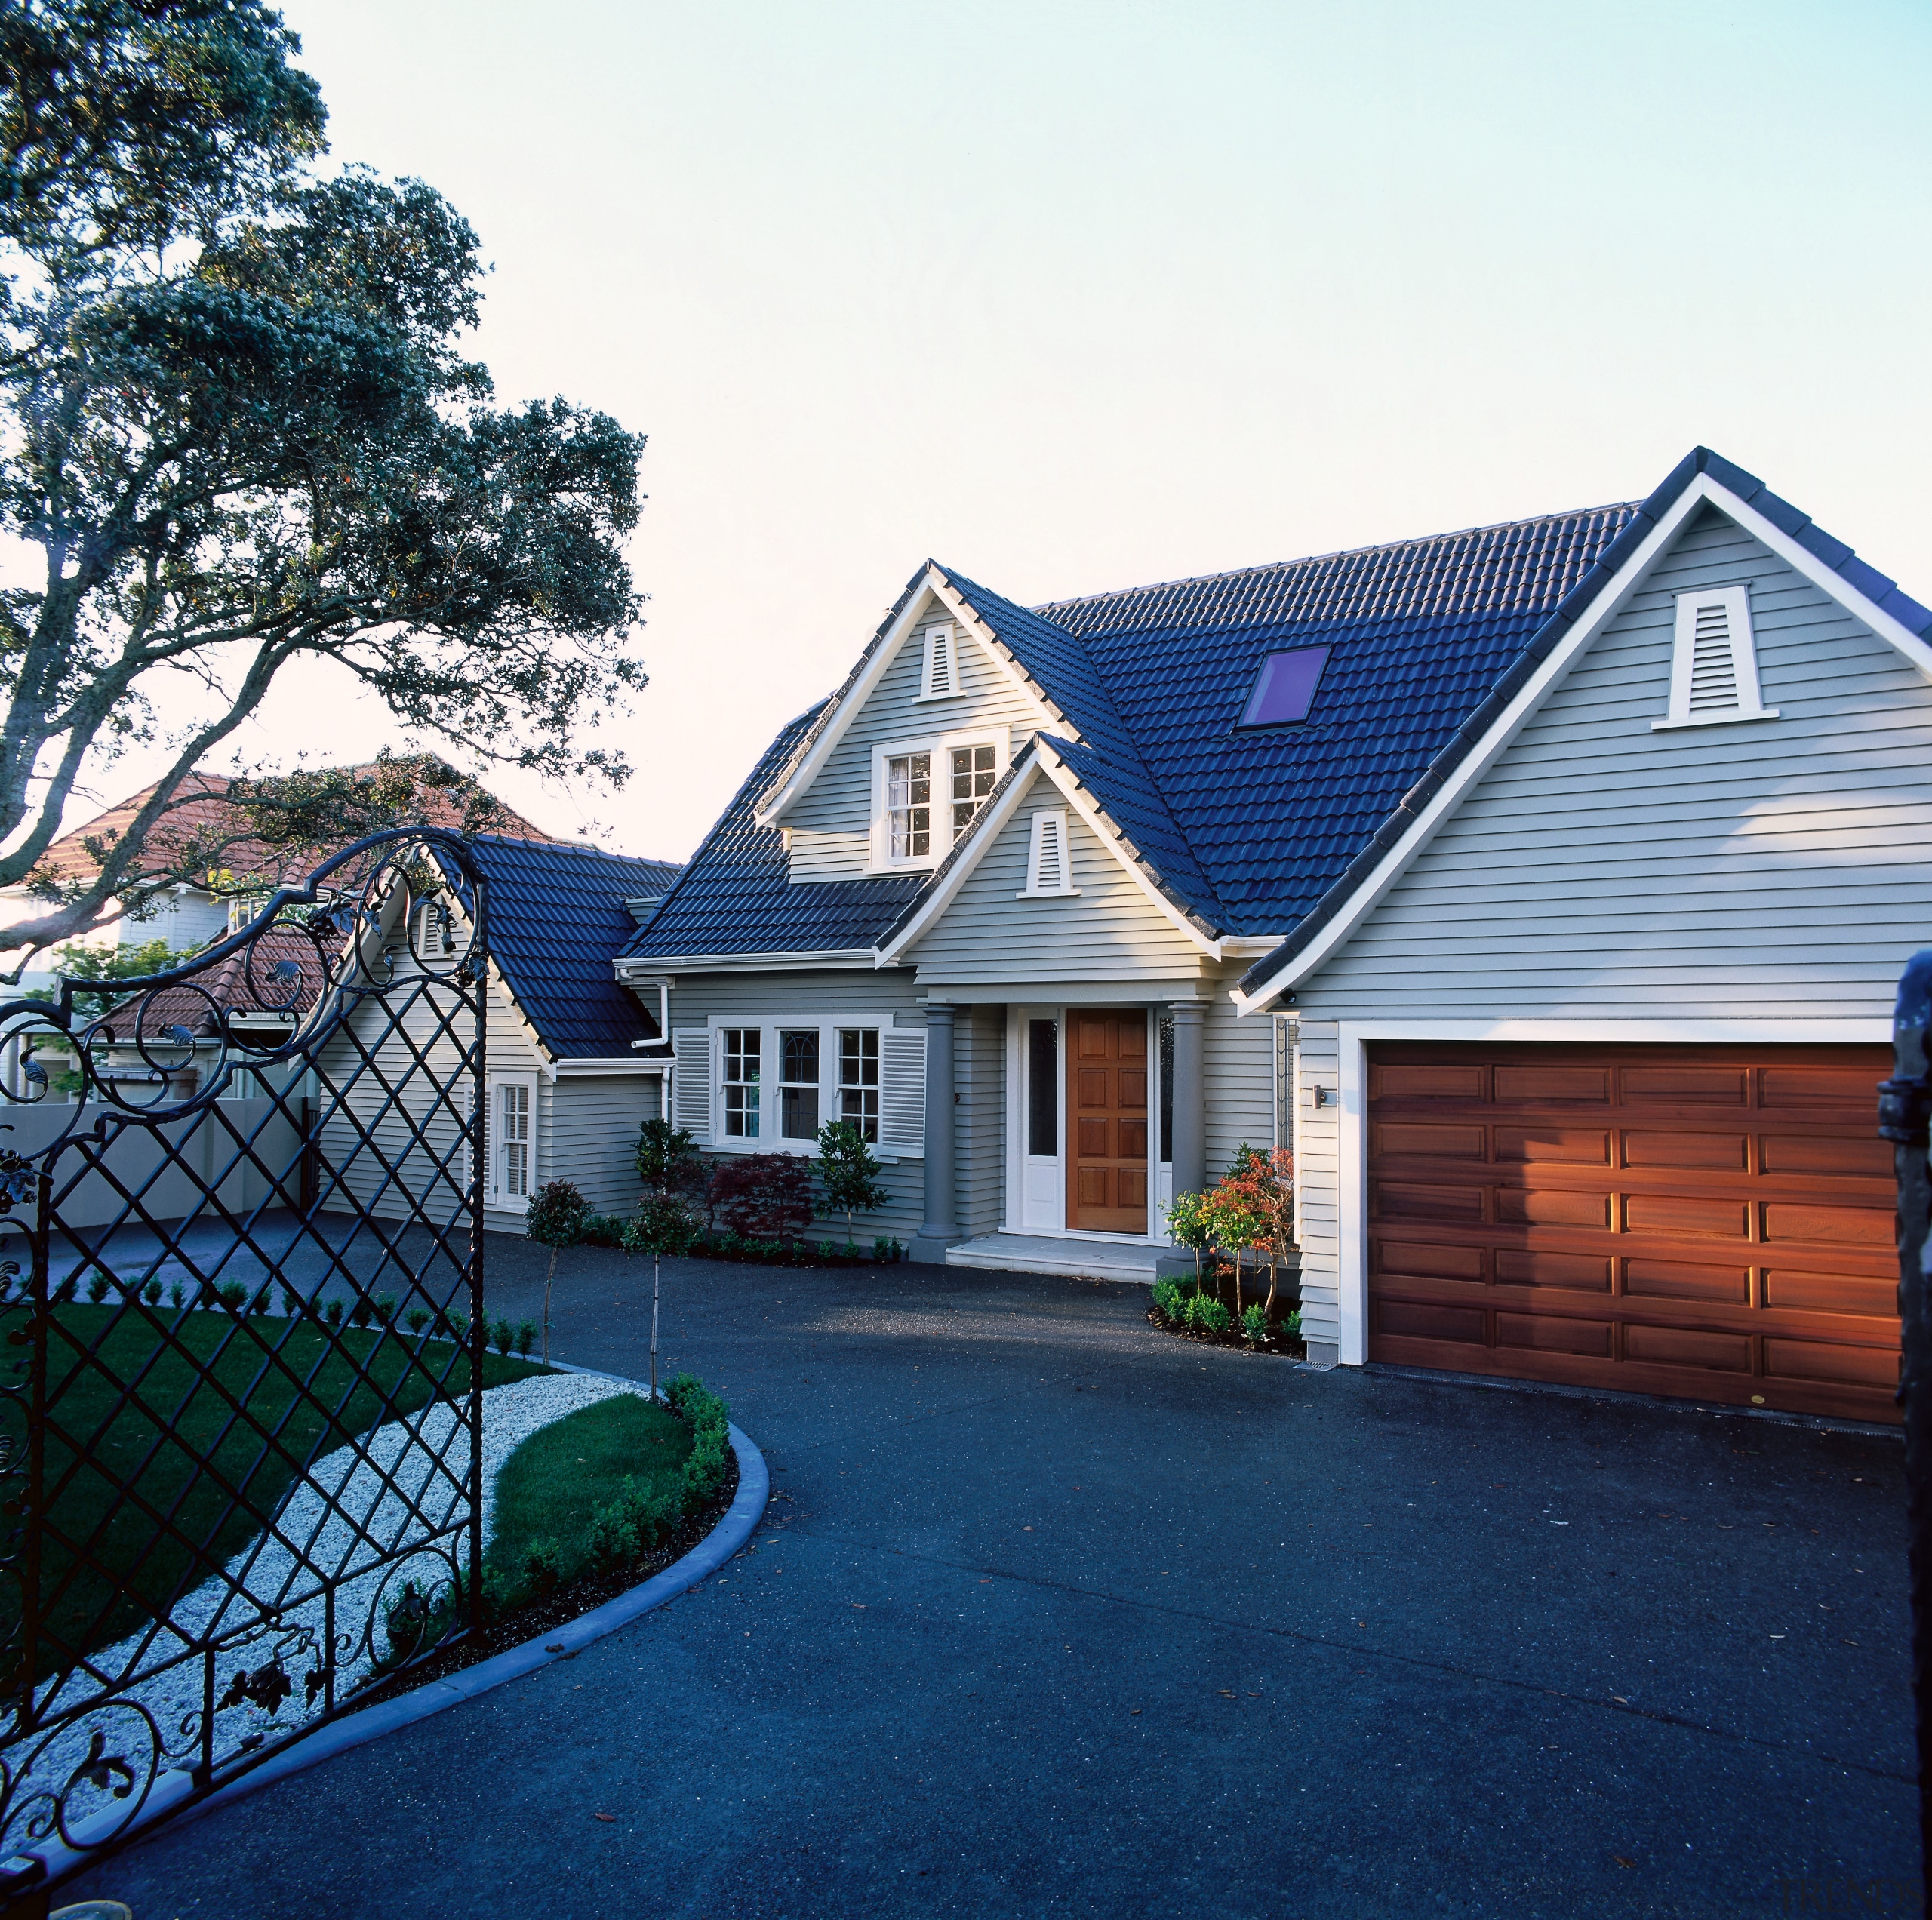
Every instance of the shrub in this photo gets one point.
(886, 1251)
(177, 1294)
(383, 1307)
(1291, 1326)
(418, 1318)
(1254, 1323)
(848, 1171)
(604, 1230)
(362, 1312)
(764, 1196)
(97, 1286)
(543, 1565)
(293, 1304)
(68, 1288)
(458, 1324)
(558, 1215)
(1168, 1301)
(526, 1336)
(626, 1528)
(1207, 1313)
(234, 1296)
(261, 1303)
(151, 1293)
(704, 1469)
(504, 1335)
(332, 1313)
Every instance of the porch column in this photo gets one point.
(1190, 1096)
(940, 1229)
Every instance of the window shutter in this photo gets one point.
(942, 664)
(691, 1080)
(902, 1092)
(1714, 661)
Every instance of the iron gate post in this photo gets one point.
(1904, 1102)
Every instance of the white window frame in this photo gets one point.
(497, 1195)
(769, 1139)
(1048, 822)
(939, 670)
(1736, 601)
(940, 746)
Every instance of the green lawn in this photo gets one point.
(549, 1488)
(96, 1443)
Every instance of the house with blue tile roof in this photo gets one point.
(1541, 887)
(574, 1063)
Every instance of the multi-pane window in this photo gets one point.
(858, 1078)
(740, 1082)
(909, 805)
(973, 776)
(513, 1139)
(798, 1082)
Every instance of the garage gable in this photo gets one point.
(1616, 857)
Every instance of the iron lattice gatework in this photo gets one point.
(241, 1307)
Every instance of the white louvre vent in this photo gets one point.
(1714, 661)
(691, 1080)
(901, 1092)
(941, 678)
(1049, 867)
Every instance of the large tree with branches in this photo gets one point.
(237, 428)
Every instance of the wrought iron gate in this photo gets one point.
(242, 1344)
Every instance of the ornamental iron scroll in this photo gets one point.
(242, 1344)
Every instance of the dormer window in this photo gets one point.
(908, 806)
(926, 793)
(1283, 689)
(1714, 661)
(940, 678)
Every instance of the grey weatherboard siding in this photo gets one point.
(1758, 868)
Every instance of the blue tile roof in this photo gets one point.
(737, 897)
(1249, 832)
(557, 915)
(1637, 525)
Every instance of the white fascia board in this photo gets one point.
(1053, 720)
(806, 769)
(545, 1056)
(1615, 595)
(980, 836)
(572, 1069)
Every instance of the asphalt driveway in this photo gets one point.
(1053, 1612)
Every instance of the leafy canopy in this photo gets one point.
(240, 431)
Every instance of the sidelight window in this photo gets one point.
(858, 1078)
(739, 1080)
(797, 1083)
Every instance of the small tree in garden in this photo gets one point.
(1236, 1221)
(1188, 1227)
(668, 1164)
(848, 1172)
(556, 1219)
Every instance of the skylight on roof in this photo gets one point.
(1284, 688)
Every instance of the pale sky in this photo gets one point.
(1077, 296)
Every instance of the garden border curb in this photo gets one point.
(736, 1526)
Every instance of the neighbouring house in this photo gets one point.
(574, 1064)
(187, 916)
(1543, 887)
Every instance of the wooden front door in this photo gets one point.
(1106, 1104)
(1714, 1222)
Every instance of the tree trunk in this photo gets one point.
(547, 1278)
(653, 1326)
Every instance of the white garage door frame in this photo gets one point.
(1353, 1038)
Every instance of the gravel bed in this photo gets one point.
(354, 1535)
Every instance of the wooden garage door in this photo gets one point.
(1712, 1222)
